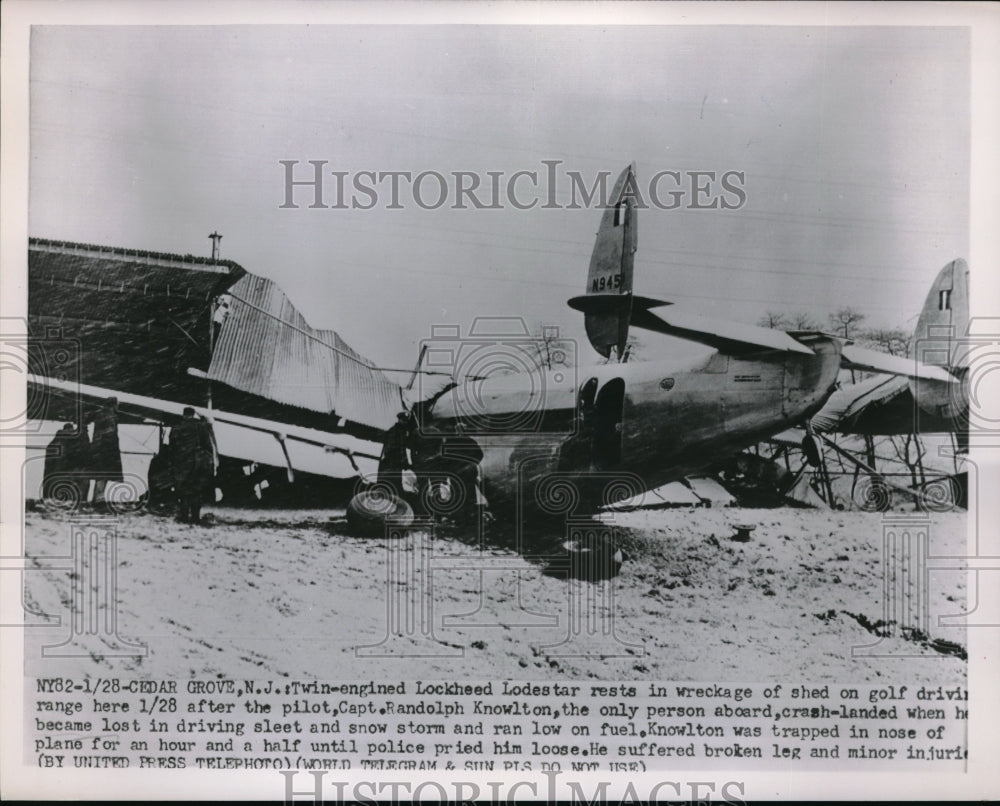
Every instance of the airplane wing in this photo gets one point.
(854, 357)
(881, 406)
(728, 336)
(734, 337)
(849, 404)
(336, 455)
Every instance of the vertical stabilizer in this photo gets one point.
(944, 320)
(607, 303)
(940, 339)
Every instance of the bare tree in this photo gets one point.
(803, 321)
(910, 451)
(846, 322)
(773, 319)
(895, 341)
(909, 448)
(548, 349)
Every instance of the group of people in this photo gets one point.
(180, 475)
(74, 459)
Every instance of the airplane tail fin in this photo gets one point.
(944, 320)
(608, 301)
(609, 306)
(940, 340)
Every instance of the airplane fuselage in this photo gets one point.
(616, 429)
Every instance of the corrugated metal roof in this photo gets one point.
(104, 285)
(267, 348)
(129, 320)
(213, 265)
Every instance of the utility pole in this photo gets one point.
(215, 238)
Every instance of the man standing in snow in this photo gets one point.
(191, 458)
(105, 455)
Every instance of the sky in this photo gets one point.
(853, 144)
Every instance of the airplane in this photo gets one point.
(545, 442)
(610, 432)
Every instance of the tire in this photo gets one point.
(592, 560)
(371, 511)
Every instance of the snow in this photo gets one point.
(270, 594)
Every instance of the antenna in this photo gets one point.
(215, 238)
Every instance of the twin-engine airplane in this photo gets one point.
(613, 431)
(560, 441)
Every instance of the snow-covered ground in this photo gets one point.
(270, 594)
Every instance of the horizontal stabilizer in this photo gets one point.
(728, 336)
(612, 303)
(854, 357)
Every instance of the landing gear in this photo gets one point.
(376, 510)
(609, 415)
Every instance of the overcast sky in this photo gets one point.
(854, 144)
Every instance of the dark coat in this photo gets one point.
(394, 446)
(57, 454)
(78, 452)
(105, 453)
(191, 451)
